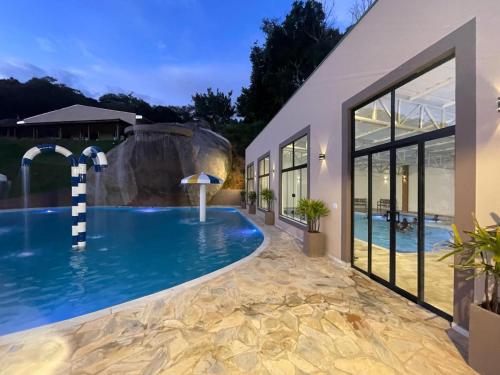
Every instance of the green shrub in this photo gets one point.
(481, 255)
(313, 210)
(252, 196)
(268, 196)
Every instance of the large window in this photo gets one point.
(263, 181)
(294, 164)
(250, 178)
(403, 195)
(424, 104)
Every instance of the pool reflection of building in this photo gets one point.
(395, 124)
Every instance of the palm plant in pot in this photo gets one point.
(243, 199)
(314, 241)
(268, 197)
(252, 197)
(479, 255)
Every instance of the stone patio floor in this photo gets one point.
(278, 313)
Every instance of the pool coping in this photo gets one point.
(141, 301)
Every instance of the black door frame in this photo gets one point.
(392, 146)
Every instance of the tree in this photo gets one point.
(214, 107)
(291, 51)
(37, 95)
(359, 8)
(156, 113)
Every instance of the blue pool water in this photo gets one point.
(131, 252)
(406, 242)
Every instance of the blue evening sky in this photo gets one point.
(161, 50)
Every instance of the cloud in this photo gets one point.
(20, 70)
(45, 44)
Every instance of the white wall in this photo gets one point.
(391, 33)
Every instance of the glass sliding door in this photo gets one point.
(407, 224)
(439, 215)
(403, 180)
(380, 219)
(361, 213)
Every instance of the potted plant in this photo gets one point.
(268, 197)
(252, 196)
(314, 241)
(243, 201)
(480, 254)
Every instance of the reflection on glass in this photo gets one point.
(360, 206)
(407, 225)
(300, 151)
(426, 103)
(372, 123)
(263, 169)
(439, 214)
(381, 188)
(287, 156)
(250, 178)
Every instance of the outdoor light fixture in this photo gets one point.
(322, 157)
(498, 104)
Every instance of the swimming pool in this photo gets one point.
(131, 252)
(435, 234)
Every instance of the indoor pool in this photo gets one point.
(435, 233)
(131, 252)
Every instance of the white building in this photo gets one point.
(405, 110)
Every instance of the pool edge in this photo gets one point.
(141, 301)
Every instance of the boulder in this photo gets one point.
(146, 169)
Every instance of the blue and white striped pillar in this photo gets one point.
(100, 162)
(47, 148)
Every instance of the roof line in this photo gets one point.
(74, 105)
(317, 67)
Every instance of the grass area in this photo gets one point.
(49, 171)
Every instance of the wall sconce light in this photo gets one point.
(498, 104)
(322, 157)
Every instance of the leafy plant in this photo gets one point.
(243, 195)
(268, 196)
(313, 210)
(480, 254)
(252, 196)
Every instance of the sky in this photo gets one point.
(163, 51)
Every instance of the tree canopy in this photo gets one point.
(214, 107)
(292, 50)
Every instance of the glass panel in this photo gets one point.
(427, 103)
(372, 123)
(287, 156)
(407, 225)
(294, 187)
(266, 165)
(300, 151)
(261, 167)
(288, 194)
(263, 184)
(360, 206)
(439, 215)
(250, 179)
(381, 188)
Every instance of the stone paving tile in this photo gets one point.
(278, 313)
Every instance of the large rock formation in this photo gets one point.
(146, 169)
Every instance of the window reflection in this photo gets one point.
(294, 184)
